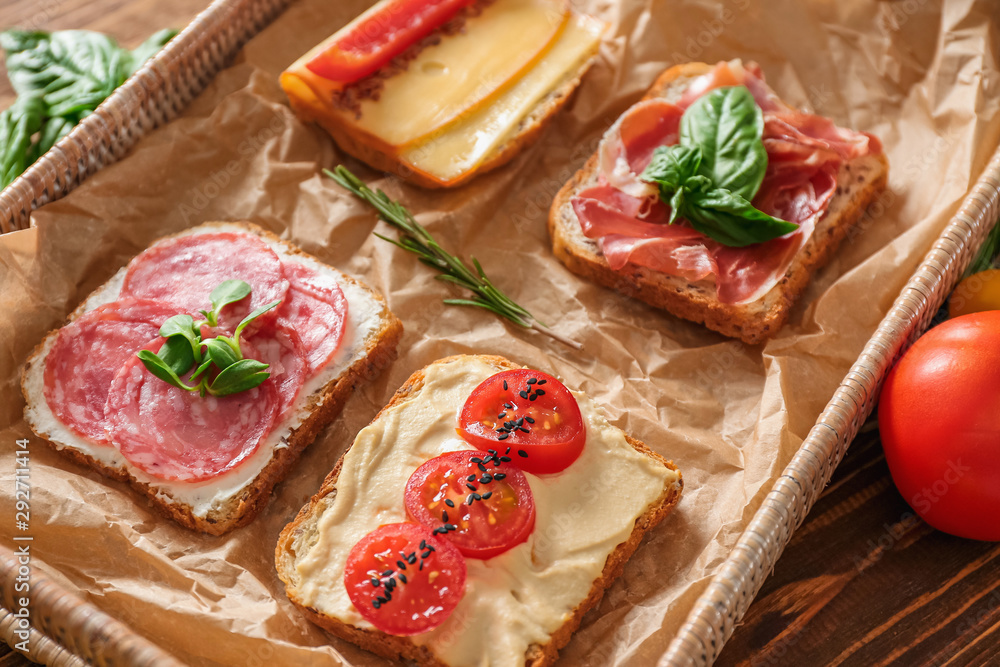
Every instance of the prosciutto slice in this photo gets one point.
(89, 351)
(629, 222)
(179, 435)
(184, 270)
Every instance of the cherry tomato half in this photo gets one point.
(529, 411)
(939, 418)
(381, 36)
(480, 503)
(403, 579)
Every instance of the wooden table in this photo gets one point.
(863, 582)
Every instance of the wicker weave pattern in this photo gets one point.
(157, 93)
(730, 592)
(81, 628)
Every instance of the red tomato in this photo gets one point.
(480, 503)
(403, 579)
(529, 411)
(939, 417)
(381, 36)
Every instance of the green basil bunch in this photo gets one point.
(183, 349)
(711, 175)
(60, 77)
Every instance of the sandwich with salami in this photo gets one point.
(475, 520)
(716, 201)
(200, 371)
(437, 91)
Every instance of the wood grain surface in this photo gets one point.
(863, 582)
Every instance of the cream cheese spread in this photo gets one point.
(522, 596)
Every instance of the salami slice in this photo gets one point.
(179, 435)
(184, 270)
(281, 349)
(316, 310)
(87, 354)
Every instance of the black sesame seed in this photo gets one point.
(382, 599)
(451, 526)
(389, 585)
(485, 479)
(532, 380)
(421, 565)
(476, 459)
(471, 478)
(491, 452)
(388, 596)
(522, 453)
(486, 496)
(438, 531)
(523, 394)
(508, 449)
(505, 385)
(402, 578)
(508, 425)
(502, 415)
(503, 436)
(444, 517)
(450, 503)
(387, 573)
(412, 559)
(521, 428)
(542, 381)
(481, 467)
(423, 543)
(376, 604)
(529, 420)
(505, 459)
(477, 496)
(539, 392)
(533, 396)
(509, 406)
(425, 554)
(470, 487)
(499, 476)
(401, 564)
(470, 499)
(375, 583)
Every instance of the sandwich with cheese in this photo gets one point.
(476, 520)
(437, 91)
(716, 201)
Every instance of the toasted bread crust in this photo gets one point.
(754, 322)
(392, 646)
(325, 405)
(374, 154)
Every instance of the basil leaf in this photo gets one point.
(160, 369)
(252, 316)
(17, 125)
(727, 125)
(220, 352)
(228, 291)
(730, 219)
(177, 354)
(244, 374)
(671, 166)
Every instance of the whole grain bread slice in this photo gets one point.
(527, 132)
(302, 533)
(321, 407)
(859, 183)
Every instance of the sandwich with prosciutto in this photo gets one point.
(200, 371)
(437, 91)
(714, 200)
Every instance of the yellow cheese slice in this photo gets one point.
(462, 146)
(451, 77)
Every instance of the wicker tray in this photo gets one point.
(68, 631)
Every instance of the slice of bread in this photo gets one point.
(217, 506)
(527, 132)
(859, 183)
(649, 501)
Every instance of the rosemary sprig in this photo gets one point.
(414, 238)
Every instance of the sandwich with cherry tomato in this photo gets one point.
(475, 520)
(437, 91)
